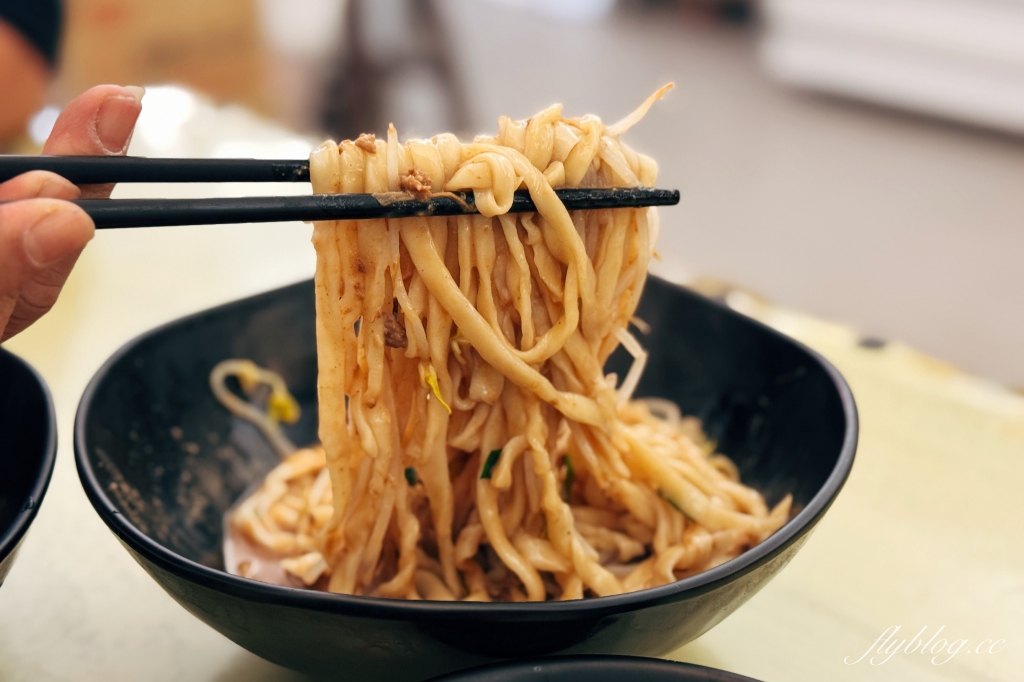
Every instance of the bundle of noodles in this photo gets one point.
(474, 448)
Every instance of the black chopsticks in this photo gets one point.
(115, 213)
(99, 170)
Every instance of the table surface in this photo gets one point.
(924, 535)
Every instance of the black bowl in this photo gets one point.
(593, 669)
(161, 461)
(28, 450)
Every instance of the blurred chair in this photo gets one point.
(396, 65)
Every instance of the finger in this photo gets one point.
(40, 240)
(38, 185)
(98, 122)
(35, 235)
(37, 296)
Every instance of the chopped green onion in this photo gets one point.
(569, 476)
(410, 476)
(662, 495)
(492, 459)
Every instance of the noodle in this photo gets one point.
(472, 447)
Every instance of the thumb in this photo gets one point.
(34, 234)
(97, 122)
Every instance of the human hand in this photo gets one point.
(42, 236)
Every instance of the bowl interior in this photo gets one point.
(167, 454)
(27, 451)
(173, 460)
(769, 403)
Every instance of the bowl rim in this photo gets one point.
(399, 609)
(553, 665)
(11, 536)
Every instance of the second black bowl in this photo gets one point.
(28, 451)
(161, 462)
(593, 669)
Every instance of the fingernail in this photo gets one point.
(53, 236)
(116, 120)
(138, 92)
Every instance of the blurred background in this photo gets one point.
(850, 161)
(860, 160)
